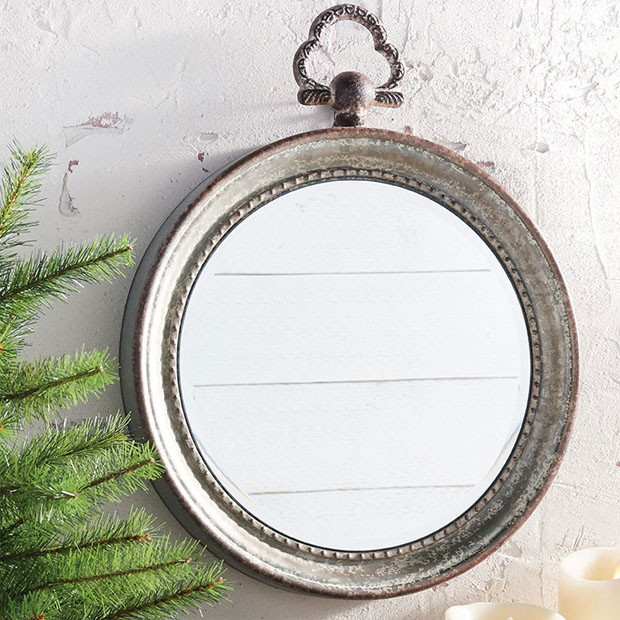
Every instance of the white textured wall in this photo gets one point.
(145, 98)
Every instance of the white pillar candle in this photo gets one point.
(589, 586)
(498, 611)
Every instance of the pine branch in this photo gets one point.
(96, 564)
(11, 339)
(7, 530)
(148, 596)
(39, 606)
(107, 542)
(18, 187)
(55, 383)
(70, 490)
(186, 598)
(119, 573)
(60, 442)
(13, 333)
(60, 557)
(103, 532)
(115, 475)
(37, 390)
(126, 468)
(49, 460)
(204, 585)
(34, 283)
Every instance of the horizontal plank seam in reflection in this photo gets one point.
(355, 273)
(415, 486)
(493, 378)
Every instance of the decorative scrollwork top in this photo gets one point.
(350, 93)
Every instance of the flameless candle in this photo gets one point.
(497, 611)
(589, 587)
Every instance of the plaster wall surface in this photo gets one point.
(142, 100)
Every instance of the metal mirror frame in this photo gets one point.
(153, 320)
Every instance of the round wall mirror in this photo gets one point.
(354, 365)
(357, 359)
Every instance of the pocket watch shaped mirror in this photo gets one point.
(354, 353)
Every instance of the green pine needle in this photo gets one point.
(200, 585)
(61, 446)
(39, 389)
(61, 442)
(61, 556)
(70, 489)
(147, 596)
(102, 531)
(34, 283)
(19, 186)
(96, 563)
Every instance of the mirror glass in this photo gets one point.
(354, 365)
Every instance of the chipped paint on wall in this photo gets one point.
(66, 204)
(106, 123)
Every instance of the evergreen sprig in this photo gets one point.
(173, 597)
(61, 441)
(153, 596)
(19, 187)
(39, 389)
(101, 531)
(35, 283)
(61, 556)
(72, 488)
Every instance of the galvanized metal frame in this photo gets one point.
(153, 320)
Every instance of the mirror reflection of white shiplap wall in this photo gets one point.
(354, 364)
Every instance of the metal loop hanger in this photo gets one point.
(350, 93)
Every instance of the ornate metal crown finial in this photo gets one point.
(350, 94)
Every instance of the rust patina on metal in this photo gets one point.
(350, 93)
(153, 320)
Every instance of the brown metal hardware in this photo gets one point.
(350, 93)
